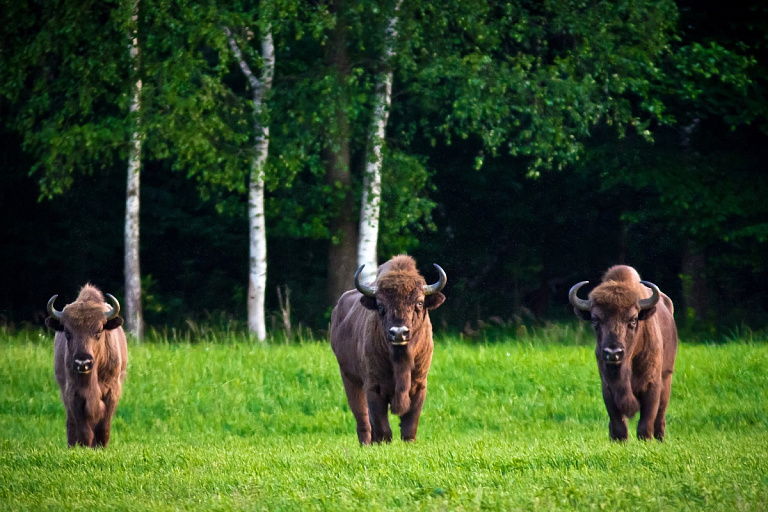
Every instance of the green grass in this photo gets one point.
(506, 426)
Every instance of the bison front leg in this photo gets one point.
(617, 424)
(79, 427)
(71, 429)
(103, 427)
(401, 400)
(83, 433)
(660, 426)
(101, 432)
(377, 409)
(649, 408)
(359, 408)
(409, 422)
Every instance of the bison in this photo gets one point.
(382, 337)
(636, 348)
(90, 358)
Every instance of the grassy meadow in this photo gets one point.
(506, 426)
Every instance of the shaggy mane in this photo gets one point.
(614, 295)
(399, 275)
(88, 309)
(90, 293)
(621, 273)
(620, 289)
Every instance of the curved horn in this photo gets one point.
(583, 305)
(653, 299)
(109, 315)
(51, 310)
(368, 291)
(429, 289)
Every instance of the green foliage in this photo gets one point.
(531, 79)
(717, 67)
(406, 206)
(505, 426)
(67, 84)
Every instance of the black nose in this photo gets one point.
(83, 364)
(399, 334)
(613, 355)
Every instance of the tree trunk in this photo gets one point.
(257, 261)
(371, 200)
(695, 290)
(257, 280)
(257, 258)
(342, 250)
(134, 317)
(694, 262)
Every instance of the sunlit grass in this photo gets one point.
(506, 426)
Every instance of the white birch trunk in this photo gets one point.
(133, 315)
(371, 200)
(257, 261)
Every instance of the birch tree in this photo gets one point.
(213, 79)
(134, 316)
(371, 199)
(257, 261)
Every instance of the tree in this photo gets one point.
(257, 234)
(530, 79)
(134, 314)
(343, 232)
(371, 198)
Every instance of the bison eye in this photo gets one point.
(382, 310)
(420, 304)
(68, 334)
(633, 323)
(595, 321)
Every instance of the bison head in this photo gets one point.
(614, 308)
(402, 299)
(83, 323)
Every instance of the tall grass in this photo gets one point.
(227, 424)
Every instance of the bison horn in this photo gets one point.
(368, 291)
(51, 310)
(653, 299)
(429, 289)
(583, 305)
(112, 313)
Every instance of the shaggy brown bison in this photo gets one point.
(90, 357)
(636, 348)
(382, 337)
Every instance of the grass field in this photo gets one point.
(506, 426)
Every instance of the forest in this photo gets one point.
(522, 145)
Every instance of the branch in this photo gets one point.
(255, 83)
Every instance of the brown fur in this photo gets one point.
(643, 379)
(90, 399)
(378, 375)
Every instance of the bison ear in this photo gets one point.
(584, 315)
(54, 324)
(434, 300)
(369, 302)
(645, 314)
(114, 323)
